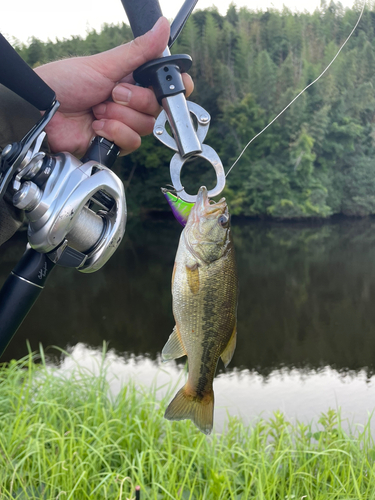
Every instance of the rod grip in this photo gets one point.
(20, 291)
(103, 151)
(17, 76)
(142, 14)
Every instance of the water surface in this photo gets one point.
(306, 321)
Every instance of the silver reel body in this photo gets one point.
(76, 211)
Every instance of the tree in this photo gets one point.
(316, 159)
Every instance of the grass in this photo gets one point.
(65, 438)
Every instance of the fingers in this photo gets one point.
(142, 99)
(138, 98)
(133, 112)
(130, 116)
(119, 62)
(189, 84)
(123, 136)
(141, 123)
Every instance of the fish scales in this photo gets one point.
(205, 320)
(204, 290)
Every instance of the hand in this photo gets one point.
(98, 96)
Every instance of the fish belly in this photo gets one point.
(205, 317)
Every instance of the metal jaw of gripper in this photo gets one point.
(186, 141)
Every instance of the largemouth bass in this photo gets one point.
(204, 291)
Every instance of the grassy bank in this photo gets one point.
(65, 438)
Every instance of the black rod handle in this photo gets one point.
(142, 14)
(20, 291)
(21, 79)
(102, 151)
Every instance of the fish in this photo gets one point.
(204, 295)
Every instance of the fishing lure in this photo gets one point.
(180, 208)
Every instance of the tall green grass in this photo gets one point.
(64, 437)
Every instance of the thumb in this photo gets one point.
(119, 62)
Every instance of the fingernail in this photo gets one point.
(156, 25)
(100, 109)
(98, 125)
(121, 94)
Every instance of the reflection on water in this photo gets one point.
(301, 395)
(306, 301)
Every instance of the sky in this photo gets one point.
(51, 19)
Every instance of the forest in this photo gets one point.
(316, 161)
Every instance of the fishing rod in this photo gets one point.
(76, 209)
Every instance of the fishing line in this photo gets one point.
(302, 91)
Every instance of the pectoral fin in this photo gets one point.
(174, 347)
(192, 273)
(228, 352)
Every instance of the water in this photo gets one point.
(306, 321)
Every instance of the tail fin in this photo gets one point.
(200, 411)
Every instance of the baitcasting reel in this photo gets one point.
(76, 214)
(76, 210)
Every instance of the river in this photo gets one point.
(306, 315)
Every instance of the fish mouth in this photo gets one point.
(206, 207)
(202, 200)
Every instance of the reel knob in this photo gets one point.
(28, 197)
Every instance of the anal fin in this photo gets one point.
(174, 347)
(228, 352)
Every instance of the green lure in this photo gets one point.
(181, 209)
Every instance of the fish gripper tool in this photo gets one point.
(164, 76)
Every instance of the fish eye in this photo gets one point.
(223, 220)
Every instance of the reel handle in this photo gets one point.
(20, 291)
(142, 14)
(21, 79)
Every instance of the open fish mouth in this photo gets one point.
(204, 207)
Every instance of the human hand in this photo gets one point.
(98, 96)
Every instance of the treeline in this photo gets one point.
(318, 159)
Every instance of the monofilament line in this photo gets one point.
(302, 91)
